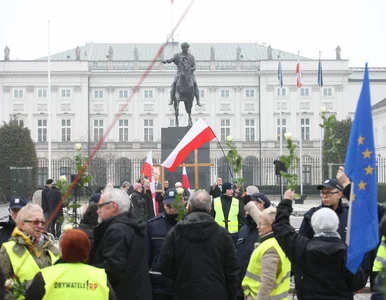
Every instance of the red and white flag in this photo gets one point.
(147, 170)
(299, 76)
(198, 135)
(185, 179)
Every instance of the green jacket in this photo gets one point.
(23, 243)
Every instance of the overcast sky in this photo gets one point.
(308, 26)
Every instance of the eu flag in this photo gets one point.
(280, 75)
(363, 234)
(320, 74)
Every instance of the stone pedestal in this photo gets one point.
(170, 137)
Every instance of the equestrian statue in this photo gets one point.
(184, 86)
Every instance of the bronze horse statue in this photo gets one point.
(184, 90)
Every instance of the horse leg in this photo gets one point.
(176, 104)
(188, 108)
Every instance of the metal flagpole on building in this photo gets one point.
(299, 85)
(49, 106)
(172, 37)
(280, 78)
(320, 84)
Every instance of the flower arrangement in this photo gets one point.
(82, 183)
(236, 162)
(290, 160)
(328, 125)
(15, 288)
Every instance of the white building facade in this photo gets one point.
(94, 91)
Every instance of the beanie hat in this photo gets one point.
(137, 185)
(324, 220)
(252, 189)
(227, 186)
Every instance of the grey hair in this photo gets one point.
(200, 200)
(270, 214)
(324, 220)
(178, 184)
(120, 197)
(25, 212)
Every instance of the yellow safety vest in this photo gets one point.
(252, 280)
(75, 281)
(233, 221)
(381, 256)
(25, 266)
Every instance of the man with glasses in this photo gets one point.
(15, 205)
(331, 193)
(119, 246)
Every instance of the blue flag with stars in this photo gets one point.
(363, 234)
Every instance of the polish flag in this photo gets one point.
(185, 179)
(147, 170)
(198, 135)
(299, 76)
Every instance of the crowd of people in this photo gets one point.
(230, 244)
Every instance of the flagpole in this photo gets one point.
(320, 83)
(172, 37)
(281, 119)
(301, 138)
(49, 105)
(280, 113)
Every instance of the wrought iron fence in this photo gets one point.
(255, 171)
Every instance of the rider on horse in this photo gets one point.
(192, 61)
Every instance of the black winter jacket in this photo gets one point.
(248, 236)
(320, 263)
(149, 203)
(54, 196)
(342, 213)
(138, 205)
(157, 229)
(6, 230)
(44, 199)
(119, 248)
(200, 257)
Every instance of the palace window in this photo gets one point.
(42, 130)
(66, 130)
(250, 130)
(225, 129)
(98, 130)
(148, 130)
(123, 127)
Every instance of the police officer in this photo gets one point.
(157, 230)
(71, 278)
(228, 211)
(15, 205)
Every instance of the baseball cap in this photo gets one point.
(170, 196)
(17, 202)
(330, 184)
(259, 197)
(49, 181)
